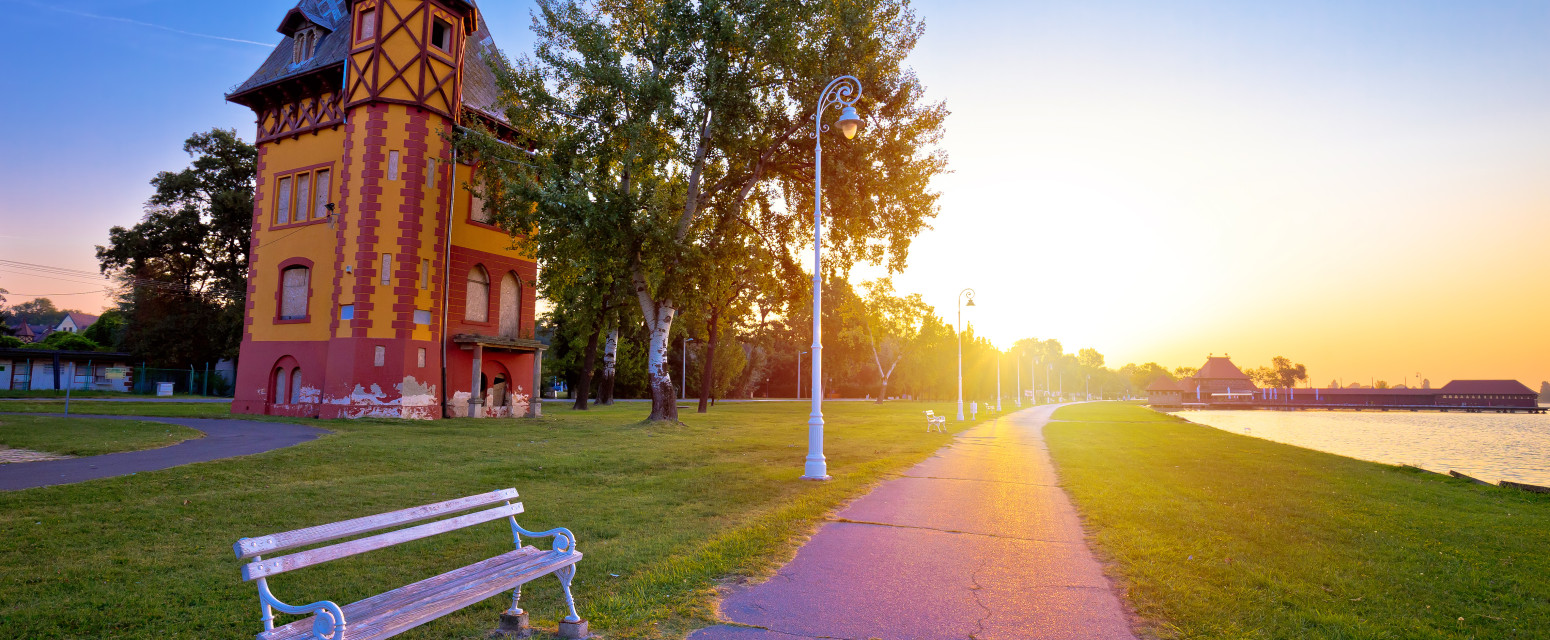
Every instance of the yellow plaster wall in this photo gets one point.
(313, 241)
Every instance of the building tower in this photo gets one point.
(376, 286)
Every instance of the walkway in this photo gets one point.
(975, 542)
(224, 438)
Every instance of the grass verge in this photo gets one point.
(86, 437)
(663, 512)
(1219, 535)
(148, 409)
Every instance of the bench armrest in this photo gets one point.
(328, 623)
(564, 540)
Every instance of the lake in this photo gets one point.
(1488, 446)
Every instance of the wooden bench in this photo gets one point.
(394, 612)
(935, 421)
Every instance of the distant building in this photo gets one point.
(31, 333)
(75, 322)
(33, 369)
(1222, 385)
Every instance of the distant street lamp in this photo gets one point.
(685, 379)
(1089, 387)
(842, 91)
(998, 381)
(1017, 397)
(961, 294)
(799, 374)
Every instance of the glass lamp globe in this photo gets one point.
(849, 122)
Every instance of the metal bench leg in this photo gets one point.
(516, 600)
(572, 626)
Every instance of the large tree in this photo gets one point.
(662, 125)
(184, 266)
(892, 324)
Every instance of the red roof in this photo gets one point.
(1220, 369)
(1498, 387)
(1162, 383)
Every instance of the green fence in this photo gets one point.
(204, 382)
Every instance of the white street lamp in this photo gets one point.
(1017, 398)
(961, 294)
(842, 92)
(685, 379)
(998, 381)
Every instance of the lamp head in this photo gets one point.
(849, 122)
(971, 303)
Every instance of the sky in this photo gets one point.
(1361, 187)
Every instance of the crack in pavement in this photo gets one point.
(966, 533)
(1025, 484)
(974, 591)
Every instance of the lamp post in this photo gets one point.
(799, 374)
(1017, 397)
(961, 294)
(1049, 386)
(1089, 387)
(998, 381)
(841, 92)
(685, 379)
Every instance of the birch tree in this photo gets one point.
(892, 325)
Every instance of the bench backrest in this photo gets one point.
(251, 547)
(930, 413)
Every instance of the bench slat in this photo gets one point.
(388, 614)
(282, 564)
(249, 547)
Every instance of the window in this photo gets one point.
(380, 357)
(366, 29)
(511, 306)
(476, 209)
(421, 356)
(283, 209)
(441, 35)
(303, 195)
(296, 384)
(387, 268)
(430, 173)
(422, 316)
(305, 43)
(477, 308)
(392, 165)
(425, 274)
(347, 312)
(280, 387)
(293, 298)
(320, 204)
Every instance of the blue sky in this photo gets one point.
(1156, 180)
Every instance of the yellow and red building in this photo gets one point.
(376, 286)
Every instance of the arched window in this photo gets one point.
(280, 387)
(511, 305)
(296, 384)
(293, 295)
(477, 308)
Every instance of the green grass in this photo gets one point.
(151, 409)
(60, 393)
(86, 437)
(1219, 535)
(671, 510)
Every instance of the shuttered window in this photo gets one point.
(392, 165)
(477, 308)
(293, 296)
(303, 195)
(476, 206)
(283, 209)
(320, 200)
(368, 26)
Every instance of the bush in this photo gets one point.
(12, 342)
(66, 341)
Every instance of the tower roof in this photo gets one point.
(1162, 383)
(480, 91)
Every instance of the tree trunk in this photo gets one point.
(708, 371)
(659, 323)
(605, 392)
(588, 361)
(883, 393)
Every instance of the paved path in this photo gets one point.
(975, 542)
(61, 399)
(224, 438)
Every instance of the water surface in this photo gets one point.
(1489, 446)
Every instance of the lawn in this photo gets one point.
(154, 409)
(1219, 535)
(664, 514)
(87, 437)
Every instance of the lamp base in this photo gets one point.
(817, 478)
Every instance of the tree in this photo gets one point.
(11, 342)
(1544, 391)
(108, 330)
(661, 126)
(892, 325)
(184, 266)
(1089, 358)
(1185, 372)
(1381, 384)
(39, 311)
